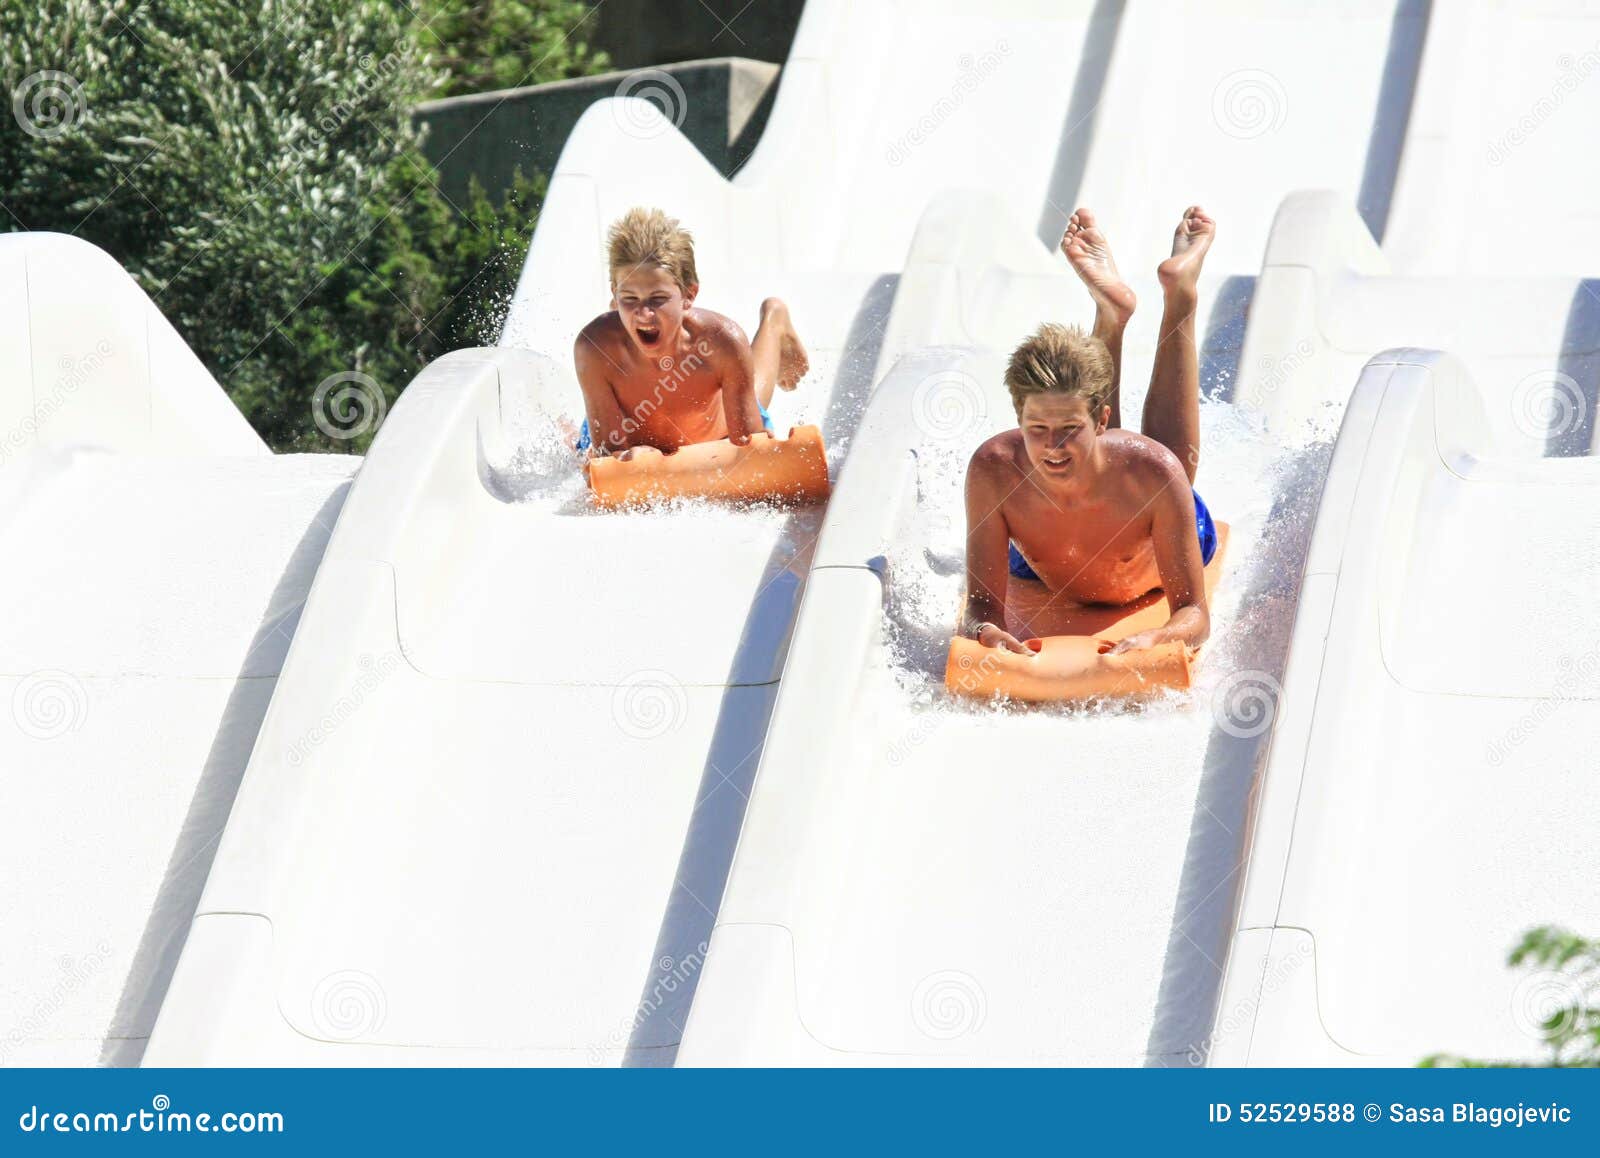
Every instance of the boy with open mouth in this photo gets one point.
(657, 371)
(1099, 514)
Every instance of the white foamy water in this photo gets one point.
(544, 472)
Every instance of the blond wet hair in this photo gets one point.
(1057, 359)
(648, 237)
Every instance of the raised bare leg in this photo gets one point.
(1172, 407)
(1090, 254)
(779, 357)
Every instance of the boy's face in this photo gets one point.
(1058, 432)
(651, 305)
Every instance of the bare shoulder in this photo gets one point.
(720, 333)
(994, 463)
(600, 335)
(1146, 463)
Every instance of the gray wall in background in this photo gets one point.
(722, 109)
(640, 33)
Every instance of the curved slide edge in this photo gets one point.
(746, 1011)
(974, 276)
(412, 508)
(1257, 956)
(1415, 428)
(776, 213)
(447, 819)
(87, 358)
(1328, 301)
(974, 279)
(1317, 237)
(413, 500)
(969, 275)
(1512, 150)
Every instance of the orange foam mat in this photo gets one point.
(1070, 643)
(793, 469)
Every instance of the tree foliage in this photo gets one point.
(485, 45)
(256, 168)
(1564, 969)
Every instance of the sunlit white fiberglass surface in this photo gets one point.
(491, 808)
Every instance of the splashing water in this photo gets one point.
(1266, 491)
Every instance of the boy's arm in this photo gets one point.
(737, 374)
(1177, 547)
(988, 559)
(606, 420)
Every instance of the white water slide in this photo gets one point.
(926, 885)
(156, 559)
(491, 812)
(1433, 780)
(511, 845)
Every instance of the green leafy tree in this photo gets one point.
(1570, 966)
(256, 169)
(493, 44)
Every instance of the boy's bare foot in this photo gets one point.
(793, 363)
(1190, 241)
(1090, 254)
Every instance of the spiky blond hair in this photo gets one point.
(645, 237)
(1058, 359)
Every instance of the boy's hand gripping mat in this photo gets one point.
(1070, 645)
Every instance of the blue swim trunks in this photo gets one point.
(1202, 521)
(584, 441)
